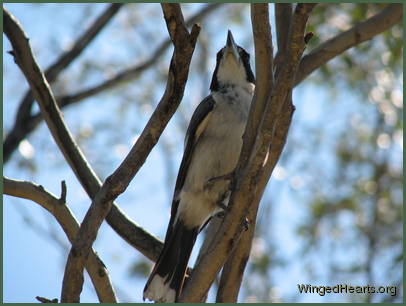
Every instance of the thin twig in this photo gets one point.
(23, 123)
(46, 300)
(136, 236)
(27, 122)
(116, 183)
(24, 58)
(63, 215)
(148, 244)
(135, 71)
(62, 199)
(359, 33)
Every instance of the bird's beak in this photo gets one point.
(231, 47)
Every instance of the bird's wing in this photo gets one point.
(179, 239)
(196, 127)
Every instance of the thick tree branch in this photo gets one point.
(274, 131)
(63, 215)
(264, 82)
(234, 268)
(283, 17)
(249, 171)
(202, 278)
(116, 183)
(27, 122)
(23, 123)
(147, 244)
(359, 33)
(231, 276)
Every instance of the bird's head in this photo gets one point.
(232, 67)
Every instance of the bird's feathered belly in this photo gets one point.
(212, 146)
(216, 154)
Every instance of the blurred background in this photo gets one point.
(331, 213)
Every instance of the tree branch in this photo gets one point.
(46, 300)
(147, 244)
(63, 215)
(283, 16)
(264, 82)
(249, 170)
(116, 183)
(199, 283)
(23, 123)
(29, 122)
(133, 72)
(359, 33)
(233, 269)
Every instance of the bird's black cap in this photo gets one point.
(239, 53)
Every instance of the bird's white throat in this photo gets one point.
(232, 72)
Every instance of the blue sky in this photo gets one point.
(33, 262)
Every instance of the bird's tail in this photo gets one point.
(166, 280)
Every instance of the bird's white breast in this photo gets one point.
(216, 153)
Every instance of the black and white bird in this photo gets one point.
(212, 146)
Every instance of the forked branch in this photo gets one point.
(116, 183)
(143, 241)
(24, 122)
(359, 33)
(97, 271)
(251, 166)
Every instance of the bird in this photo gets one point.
(212, 147)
